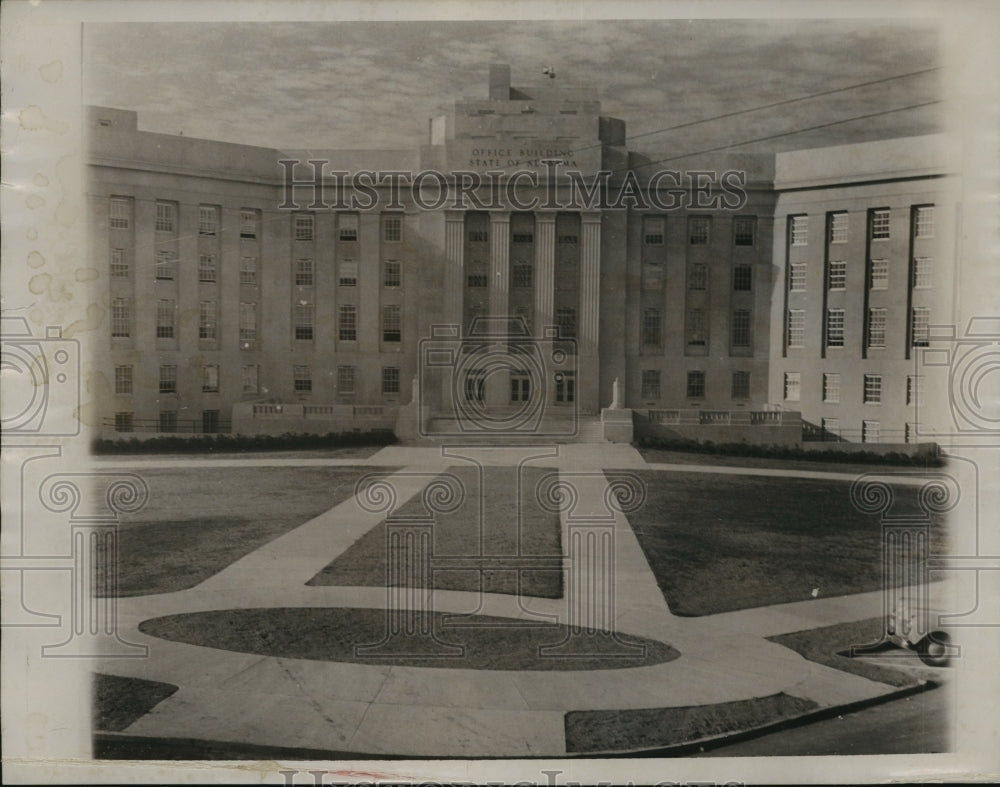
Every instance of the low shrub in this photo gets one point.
(223, 443)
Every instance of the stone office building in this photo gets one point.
(240, 303)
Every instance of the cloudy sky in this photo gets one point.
(374, 85)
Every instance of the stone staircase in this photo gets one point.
(561, 430)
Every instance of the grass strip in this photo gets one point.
(119, 702)
(642, 728)
(334, 634)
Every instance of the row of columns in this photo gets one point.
(545, 248)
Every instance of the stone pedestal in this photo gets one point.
(617, 424)
(410, 419)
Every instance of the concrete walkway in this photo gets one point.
(376, 709)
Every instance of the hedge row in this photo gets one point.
(224, 443)
(796, 453)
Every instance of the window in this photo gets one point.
(522, 237)
(741, 385)
(303, 317)
(348, 323)
(302, 379)
(120, 213)
(741, 328)
(121, 318)
(479, 236)
(168, 379)
(831, 388)
(210, 378)
(347, 227)
(165, 264)
(168, 420)
(880, 224)
(565, 387)
(165, 319)
(348, 273)
(793, 386)
(524, 314)
(476, 280)
(207, 319)
(838, 227)
(392, 274)
(566, 322)
(831, 426)
(651, 327)
(798, 230)
(123, 380)
(923, 272)
(879, 275)
(208, 220)
(346, 380)
(837, 275)
(248, 223)
(304, 272)
(697, 276)
(923, 221)
(910, 432)
(914, 388)
(392, 229)
(797, 276)
(390, 380)
(250, 377)
(796, 327)
(165, 216)
(870, 431)
(520, 386)
(698, 230)
(248, 322)
(744, 230)
(567, 240)
(302, 226)
(209, 421)
(206, 267)
(695, 385)
(876, 327)
(834, 327)
(123, 422)
(652, 230)
(523, 274)
(920, 326)
(119, 264)
(650, 383)
(697, 328)
(391, 323)
(652, 276)
(248, 270)
(873, 389)
(743, 278)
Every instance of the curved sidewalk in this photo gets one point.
(421, 711)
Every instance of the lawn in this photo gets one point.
(826, 646)
(485, 524)
(595, 731)
(718, 543)
(198, 521)
(119, 702)
(334, 634)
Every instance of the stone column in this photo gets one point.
(588, 364)
(499, 264)
(454, 284)
(590, 282)
(545, 264)
(498, 382)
